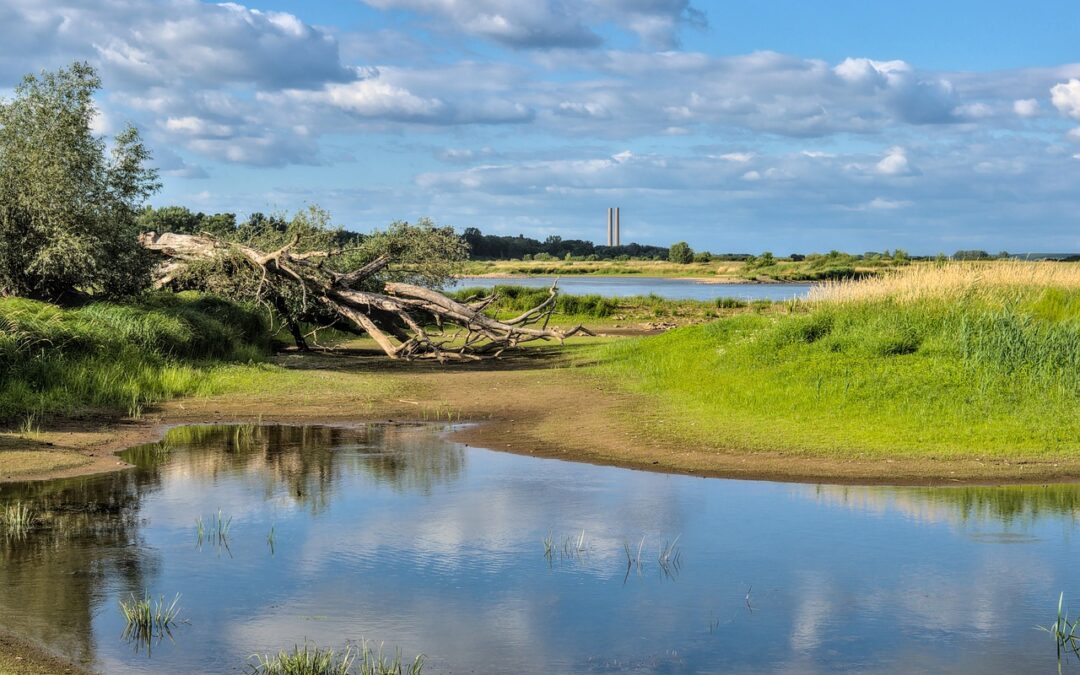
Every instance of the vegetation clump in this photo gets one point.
(313, 660)
(146, 618)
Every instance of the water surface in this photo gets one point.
(392, 534)
(672, 289)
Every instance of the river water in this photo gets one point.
(672, 289)
(392, 534)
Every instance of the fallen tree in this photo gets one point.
(407, 321)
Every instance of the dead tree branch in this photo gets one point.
(398, 319)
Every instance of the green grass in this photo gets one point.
(117, 357)
(930, 378)
(514, 300)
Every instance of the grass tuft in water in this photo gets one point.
(215, 531)
(1066, 633)
(313, 660)
(18, 518)
(147, 618)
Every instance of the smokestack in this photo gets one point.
(610, 228)
(617, 233)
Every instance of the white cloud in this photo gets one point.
(1026, 107)
(895, 163)
(1066, 98)
(741, 157)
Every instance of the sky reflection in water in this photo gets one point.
(391, 534)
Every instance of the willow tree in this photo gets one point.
(69, 205)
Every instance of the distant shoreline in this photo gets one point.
(720, 281)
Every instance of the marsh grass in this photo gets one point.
(948, 361)
(313, 660)
(56, 360)
(147, 620)
(512, 300)
(993, 282)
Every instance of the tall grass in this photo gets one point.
(954, 360)
(993, 282)
(119, 357)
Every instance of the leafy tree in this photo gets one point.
(973, 254)
(183, 221)
(68, 208)
(681, 253)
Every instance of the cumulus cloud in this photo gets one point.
(1066, 98)
(895, 163)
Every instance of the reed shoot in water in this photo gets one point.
(1066, 633)
(18, 518)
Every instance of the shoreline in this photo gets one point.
(522, 407)
(720, 281)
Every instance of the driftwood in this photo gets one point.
(399, 320)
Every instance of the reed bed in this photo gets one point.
(989, 281)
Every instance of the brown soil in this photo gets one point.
(19, 657)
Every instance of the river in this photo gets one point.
(498, 563)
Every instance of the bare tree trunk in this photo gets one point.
(406, 321)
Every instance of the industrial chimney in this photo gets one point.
(613, 238)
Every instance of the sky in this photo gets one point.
(779, 125)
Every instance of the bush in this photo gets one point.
(681, 253)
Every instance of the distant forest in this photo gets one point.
(501, 247)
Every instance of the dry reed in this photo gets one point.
(951, 281)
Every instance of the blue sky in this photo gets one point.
(737, 126)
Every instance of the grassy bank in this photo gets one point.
(833, 265)
(962, 360)
(115, 357)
